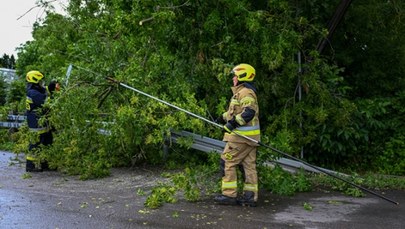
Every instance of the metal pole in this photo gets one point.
(328, 173)
(68, 72)
(300, 97)
(336, 19)
(253, 140)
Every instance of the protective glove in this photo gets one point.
(52, 86)
(230, 125)
(220, 120)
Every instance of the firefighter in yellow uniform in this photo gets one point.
(242, 118)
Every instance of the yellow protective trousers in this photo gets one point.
(233, 155)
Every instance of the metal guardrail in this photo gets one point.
(16, 121)
(13, 121)
(9, 75)
(200, 142)
(10, 124)
(210, 145)
(19, 118)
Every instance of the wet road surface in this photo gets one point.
(53, 200)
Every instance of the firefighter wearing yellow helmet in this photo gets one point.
(37, 95)
(242, 117)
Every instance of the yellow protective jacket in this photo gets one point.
(244, 107)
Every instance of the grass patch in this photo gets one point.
(369, 180)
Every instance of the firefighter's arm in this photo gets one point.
(37, 98)
(248, 113)
(231, 125)
(248, 104)
(240, 119)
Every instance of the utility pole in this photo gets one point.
(300, 96)
(333, 23)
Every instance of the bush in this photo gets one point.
(16, 97)
(392, 160)
(281, 182)
(3, 91)
(6, 142)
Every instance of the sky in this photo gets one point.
(16, 20)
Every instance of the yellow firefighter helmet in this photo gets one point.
(244, 72)
(34, 76)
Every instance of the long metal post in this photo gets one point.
(253, 140)
(300, 97)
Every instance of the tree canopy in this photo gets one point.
(7, 61)
(350, 109)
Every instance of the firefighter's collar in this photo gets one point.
(242, 85)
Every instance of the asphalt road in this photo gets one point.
(53, 200)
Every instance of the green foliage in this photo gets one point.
(16, 91)
(6, 138)
(341, 186)
(392, 160)
(383, 182)
(186, 142)
(7, 61)
(307, 206)
(26, 176)
(160, 195)
(79, 148)
(199, 180)
(194, 182)
(321, 112)
(3, 91)
(281, 182)
(22, 139)
(361, 54)
(16, 96)
(187, 181)
(140, 192)
(370, 181)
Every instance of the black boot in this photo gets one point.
(30, 167)
(225, 200)
(248, 199)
